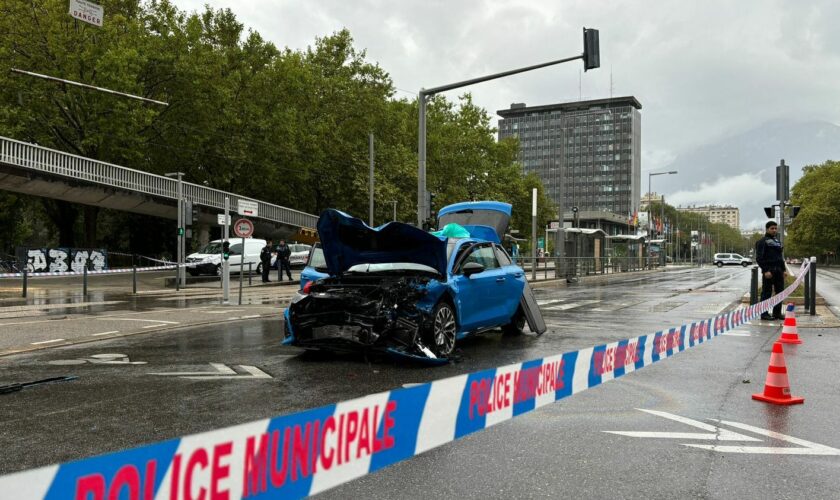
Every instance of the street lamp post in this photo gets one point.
(650, 199)
(591, 60)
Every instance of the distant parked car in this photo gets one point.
(731, 259)
(208, 260)
(298, 257)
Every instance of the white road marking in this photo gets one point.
(104, 333)
(47, 341)
(224, 311)
(712, 433)
(222, 372)
(162, 324)
(251, 316)
(720, 434)
(571, 306)
(233, 318)
(736, 333)
(808, 448)
(137, 319)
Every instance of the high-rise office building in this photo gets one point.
(592, 147)
(717, 214)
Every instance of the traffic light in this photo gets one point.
(188, 208)
(226, 250)
(769, 211)
(794, 211)
(180, 231)
(194, 213)
(591, 49)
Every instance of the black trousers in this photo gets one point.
(771, 286)
(266, 268)
(284, 265)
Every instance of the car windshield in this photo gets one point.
(390, 267)
(316, 260)
(212, 248)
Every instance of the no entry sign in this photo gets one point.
(243, 228)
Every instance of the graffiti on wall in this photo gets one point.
(52, 260)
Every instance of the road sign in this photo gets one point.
(243, 228)
(221, 219)
(247, 208)
(86, 11)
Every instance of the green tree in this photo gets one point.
(816, 230)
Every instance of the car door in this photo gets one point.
(235, 259)
(478, 295)
(513, 284)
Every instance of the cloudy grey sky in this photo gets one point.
(702, 70)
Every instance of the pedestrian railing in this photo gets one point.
(64, 165)
(543, 268)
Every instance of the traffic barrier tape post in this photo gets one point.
(300, 454)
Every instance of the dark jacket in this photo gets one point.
(768, 254)
(265, 255)
(283, 252)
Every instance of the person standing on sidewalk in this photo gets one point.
(283, 254)
(768, 255)
(265, 261)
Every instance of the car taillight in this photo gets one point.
(306, 288)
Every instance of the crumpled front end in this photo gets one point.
(350, 314)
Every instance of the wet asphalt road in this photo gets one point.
(558, 449)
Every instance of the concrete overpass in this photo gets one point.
(31, 169)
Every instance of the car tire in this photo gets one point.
(719, 264)
(516, 325)
(192, 272)
(744, 264)
(444, 329)
(218, 271)
(259, 268)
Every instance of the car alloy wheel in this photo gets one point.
(444, 329)
(719, 264)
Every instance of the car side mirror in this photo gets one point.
(471, 268)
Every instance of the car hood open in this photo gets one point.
(487, 220)
(347, 241)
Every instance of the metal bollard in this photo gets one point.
(84, 282)
(249, 273)
(134, 279)
(813, 278)
(807, 302)
(177, 278)
(754, 286)
(241, 268)
(25, 281)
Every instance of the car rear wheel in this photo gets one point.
(719, 264)
(259, 268)
(744, 264)
(516, 325)
(444, 329)
(219, 270)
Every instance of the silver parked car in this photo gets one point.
(731, 259)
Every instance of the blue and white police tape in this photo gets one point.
(304, 453)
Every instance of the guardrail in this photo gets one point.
(60, 164)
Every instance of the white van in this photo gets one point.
(208, 260)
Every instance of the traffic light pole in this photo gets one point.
(591, 59)
(225, 274)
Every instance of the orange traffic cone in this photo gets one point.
(777, 387)
(789, 335)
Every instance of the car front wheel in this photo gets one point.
(719, 264)
(745, 264)
(444, 329)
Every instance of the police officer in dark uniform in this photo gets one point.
(768, 255)
(283, 254)
(265, 261)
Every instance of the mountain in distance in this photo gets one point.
(743, 166)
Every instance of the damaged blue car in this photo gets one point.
(403, 291)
